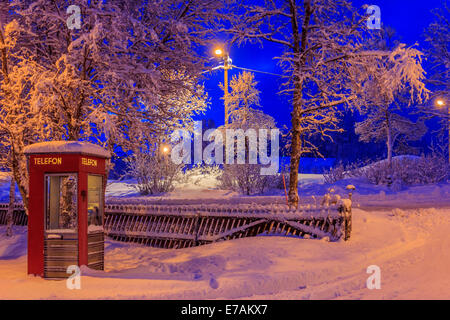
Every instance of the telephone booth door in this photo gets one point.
(95, 207)
(60, 223)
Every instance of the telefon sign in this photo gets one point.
(47, 161)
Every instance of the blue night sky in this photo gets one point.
(408, 17)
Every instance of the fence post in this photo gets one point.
(196, 228)
(346, 227)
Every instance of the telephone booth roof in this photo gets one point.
(67, 147)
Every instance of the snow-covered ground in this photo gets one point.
(366, 195)
(404, 232)
(205, 188)
(410, 247)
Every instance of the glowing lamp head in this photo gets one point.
(218, 52)
(165, 149)
(440, 102)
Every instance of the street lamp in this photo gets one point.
(440, 103)
(164, 149)
(221, 53)
(227, 65)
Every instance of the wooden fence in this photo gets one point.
(19, 216)
(181, 226)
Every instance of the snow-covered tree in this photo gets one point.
(395, 83)
(246, 178)
(126, 77)
(243, 96)
(130, 64)
(243, 102)
(16, 122)
(437, 36)
(324, 62)
(384, 125)
(153, 169)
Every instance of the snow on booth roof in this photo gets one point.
(78, 147)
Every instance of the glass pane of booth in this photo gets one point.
(95, 203)
(61, 202)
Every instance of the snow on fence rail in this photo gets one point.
(180, 226)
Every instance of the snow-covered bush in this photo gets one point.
(432, 169)
(404, 170)
(154, 173)
(334, 173)
(339, 172)
(247, 179)
(409, 170)
(378, 172)
(199, 173)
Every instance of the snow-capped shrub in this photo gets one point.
(340, 172)
(433, 169)
(199, 173)
(378, 172)
(405, 170)
(409, 170)
(334, 173)
(154, 173)
(247, 179)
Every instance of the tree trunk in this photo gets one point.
(10, 213)
(389, 148)
(299, 46)
(20, 176)
(294, 165)
(389, 140)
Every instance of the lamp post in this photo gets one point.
(226, 66)
(441, 103)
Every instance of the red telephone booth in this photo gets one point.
(66, 206)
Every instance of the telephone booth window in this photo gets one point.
(95, 203)
(61, 202)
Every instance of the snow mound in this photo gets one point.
(15, 246)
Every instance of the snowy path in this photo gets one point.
(410, 247)
(420, 269)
